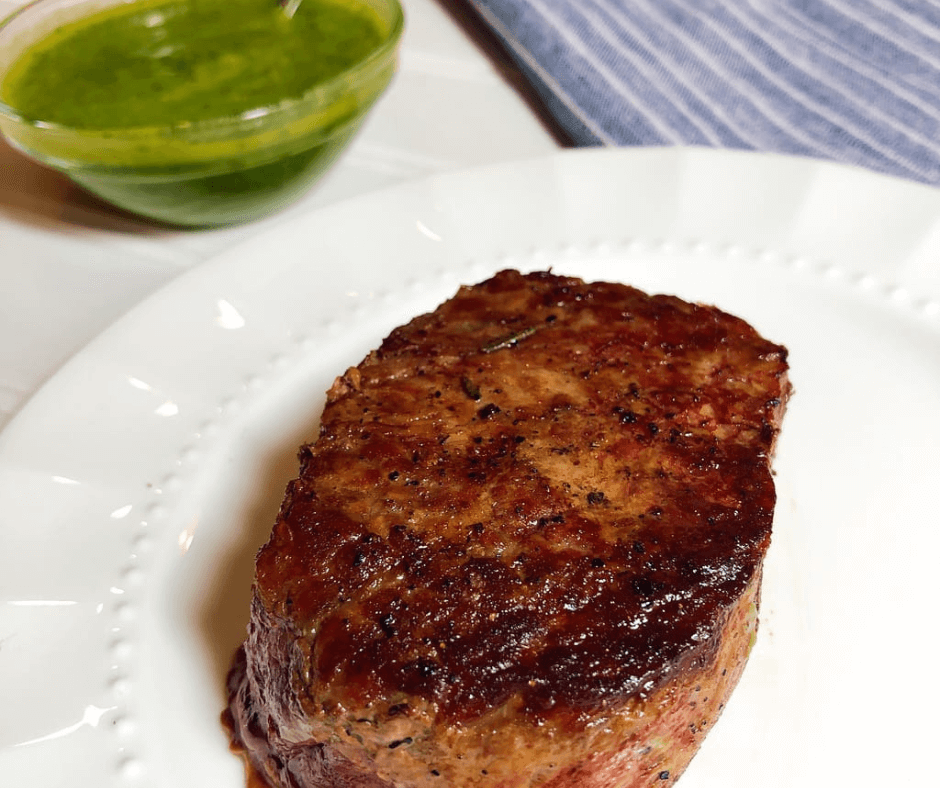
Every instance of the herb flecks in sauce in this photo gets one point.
(162, 62)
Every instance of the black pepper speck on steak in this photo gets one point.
(525, 549)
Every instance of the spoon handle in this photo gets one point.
(290, 7)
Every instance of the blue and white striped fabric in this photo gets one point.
(856, 81)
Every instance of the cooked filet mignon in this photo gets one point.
(525, 549)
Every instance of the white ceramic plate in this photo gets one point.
(137, 485)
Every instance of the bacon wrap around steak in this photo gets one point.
(525, 549)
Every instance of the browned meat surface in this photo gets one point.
(525, 549)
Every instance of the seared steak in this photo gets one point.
(525, 549)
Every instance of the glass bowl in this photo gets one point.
(224, 166)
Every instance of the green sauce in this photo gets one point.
(124, 101)
(166, 61)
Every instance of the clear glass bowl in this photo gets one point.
(209, 172)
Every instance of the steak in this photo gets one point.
(525, 549)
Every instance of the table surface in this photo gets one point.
(71, 265)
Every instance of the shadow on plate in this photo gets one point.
(222, 618)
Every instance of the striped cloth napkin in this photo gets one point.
(855, 81)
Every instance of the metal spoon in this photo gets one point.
(290, 7)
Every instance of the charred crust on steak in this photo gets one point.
(546, 494)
